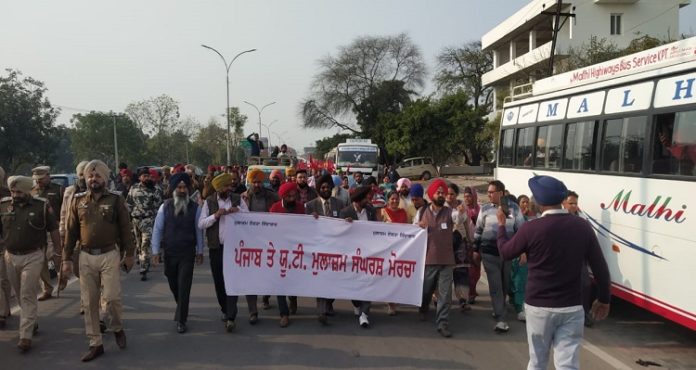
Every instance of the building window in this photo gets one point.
(615, 24)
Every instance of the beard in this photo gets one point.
(290, 206)
(404, 193)
(96, 187)
(439, 201)
(302, 185)
(181, 203)
(325, 195)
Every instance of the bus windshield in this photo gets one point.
(357, 156)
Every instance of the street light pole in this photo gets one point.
(268, 129)
(113, 116)
(227, 74)
(259, 111)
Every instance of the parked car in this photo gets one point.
(64, 179)
(417, 167)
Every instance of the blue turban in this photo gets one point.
(416, 190)
(336, 180)
(176, 178)
(547, 190)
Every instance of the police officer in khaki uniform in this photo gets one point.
(99, 220)
(53, 193)
(25, 220)
(4, 282)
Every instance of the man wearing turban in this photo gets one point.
(98, 219)
(328, 206)
(288, 203)
(260, 199)
(214, 220)
(439, 257)
(143, 201)
(126, 182)
(403, 186)
(24, 222)
(360, 209)
(559, 246)
(80, 186)
(176, 232)
(276, 179)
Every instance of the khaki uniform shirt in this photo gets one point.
(53, 193)
(20, 224)
(98, 223)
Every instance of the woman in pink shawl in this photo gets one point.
(473, 208)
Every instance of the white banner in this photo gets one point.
(287, 254)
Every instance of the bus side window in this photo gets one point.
(579, 146)
(622, 144)
(675, 144)
(525, 147)
(507, 150)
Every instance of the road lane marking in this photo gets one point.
(611, 360)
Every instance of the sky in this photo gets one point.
(103, 55)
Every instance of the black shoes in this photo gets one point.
(181, 327)
(120, 339)
(93, 353)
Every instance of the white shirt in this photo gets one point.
(207, 220)
(362, 215)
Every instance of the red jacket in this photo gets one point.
(277, 207)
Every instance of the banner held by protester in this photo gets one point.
(282, 254)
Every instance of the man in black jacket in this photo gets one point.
(327, 206)
(360, 209)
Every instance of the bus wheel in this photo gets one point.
(426, 176)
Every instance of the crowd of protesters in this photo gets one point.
(134, 217)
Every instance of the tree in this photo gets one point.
(442, 129)
(323, 146)
(388, 97)
(27, 133)
(469, 137)
(596, 50)
(93, 138)
(461, 68)
(418, 131)
(157, 117)
(208, 145)
(346, 80)
(237, 122)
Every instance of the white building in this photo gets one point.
(521, 44)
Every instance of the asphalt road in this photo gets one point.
(399, 342)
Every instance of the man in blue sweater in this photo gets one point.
(176, 232)
(557, 245)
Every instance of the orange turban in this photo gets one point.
(255, 175)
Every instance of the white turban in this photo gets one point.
(21, 183)
(98, 166)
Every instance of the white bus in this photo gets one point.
(622, 134)
(358, 155)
